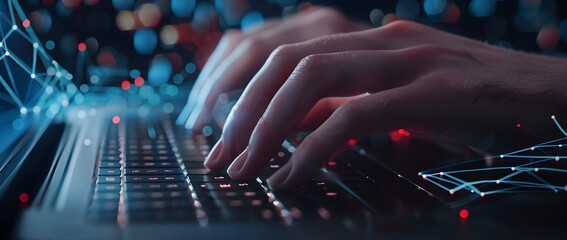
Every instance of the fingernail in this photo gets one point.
(277, 179)
(236, 166)
(213, 155)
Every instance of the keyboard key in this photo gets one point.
(108, 179)
(141, 205)
(104, 196)
(109, 164)
(162, 216)
(109, 171)
(152, 171)
(155, 178)
(107, 187)
(151, 164)
(180, 186)
(158, 195)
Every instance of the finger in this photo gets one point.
(269, 79)
(317, 77)
(362, 116)
(323, 110)
(245, 60)
(225, 47)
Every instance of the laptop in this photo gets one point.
(104, 166)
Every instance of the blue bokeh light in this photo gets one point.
(145, 41)
(159, 72)
(434, 7)
(482, 8)
(122, 4)
(182, 8)
(251, 19)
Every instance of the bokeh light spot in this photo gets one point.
(145, 41)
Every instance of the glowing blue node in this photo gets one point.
(23, 110)
(36, 109)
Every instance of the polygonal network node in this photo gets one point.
(540, 167)
(30, 80)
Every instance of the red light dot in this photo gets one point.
(464, 213)
(26, 23)
(82, 47)
(125, 85)
(395, 136)
(116, 120)
(352, 142)
(139, 81)
(518, 125)
(404, 132)
(24, 197)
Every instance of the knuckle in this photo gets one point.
(402, 27)
(282, 52)
(311, 63)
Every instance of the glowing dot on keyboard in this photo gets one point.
(441, 173)
(14, 27)
(532, 148)
(23, 110)
(513, 168)
(330, 194)
(552, 116)
(518, 125)
(281, 154)
(501, 156)
(35, 45)
(556, 158)
(116, 120)
(452, 191)
(227, 185)
(87, 142)
(482, 194)
(497, 181)
(536, 169)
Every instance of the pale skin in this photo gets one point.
(343, 81)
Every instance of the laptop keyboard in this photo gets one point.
(152, 171)
(146, 172)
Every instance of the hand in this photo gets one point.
(240, 54)
(402, 75)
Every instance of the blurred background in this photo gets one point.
(164, 43)
(151, 51)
